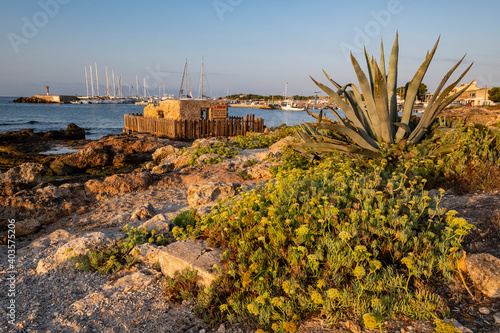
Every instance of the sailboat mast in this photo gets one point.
(87, 81)
(137, 85)
(91, 80)
(200, 86)
(190, 91)
(114, 86)
(97, 79)
(107, 82)
(121, 85)
(182, 82)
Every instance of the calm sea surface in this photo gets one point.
(103, 119)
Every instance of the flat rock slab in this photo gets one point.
(205, 194)
(179, 256)
(484, 271)
(160, 223)
(78, 246)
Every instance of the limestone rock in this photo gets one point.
(260, 171)
(160, 223)
(148, 253)
(200, 195)
(190, 255)
(21, 177)
(78, 246)
(205, 210)
(458, 326)
(206, 142)
(54, 239)
(27, 227)
(59, 168)
(163, 168)
(72, 132)
(496, 316)
(93, 299)
(144, 213)
(164, 152)
(149, 166)
(484, 271)
(205, 157)
(182, 162)
(265, 155)
(95, 156)
(484, 310)
(131, 281)
(118, 184)
(278, 147)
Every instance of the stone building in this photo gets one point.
(187, 109)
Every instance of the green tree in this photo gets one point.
(401, 91)
(422, 90)
(494, 94)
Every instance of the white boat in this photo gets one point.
(289, 107)
(289, 104)
(80, 101)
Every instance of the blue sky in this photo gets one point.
(249, 46)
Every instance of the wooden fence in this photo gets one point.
(193, 129)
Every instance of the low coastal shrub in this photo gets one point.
(222, 149)
(251, 162)
(257, 140)
(336, 240)
(186, 218)
(466, 158)
(118, 256)
(182, 286)
(290, 160)
(243, 175)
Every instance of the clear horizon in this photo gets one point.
(248, 47)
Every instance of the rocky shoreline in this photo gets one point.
(82, 200)
(31, 99)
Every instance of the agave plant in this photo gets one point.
(372, 122)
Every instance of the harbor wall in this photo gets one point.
(57, 98)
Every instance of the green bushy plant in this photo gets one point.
(186, 218)
(182, 286)
(262, 140)
(331, 240)
(465, 157)
(243, 175)
(291, 159)
(251, 162)
(222, 149)
(117, 256)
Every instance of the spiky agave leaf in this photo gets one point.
(372, 118)
(392, 78)
(412, 90)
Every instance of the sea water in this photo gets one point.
(102, 119)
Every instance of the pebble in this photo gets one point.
(484, 310)
(497, 318)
